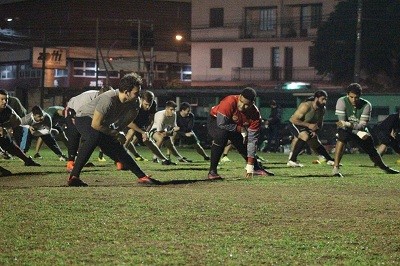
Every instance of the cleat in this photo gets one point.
(147, 180)
(214, 176)
(330, 162)
(74, 181)
(70, 166)
(120, 166)
(37, 156)
(31, 162)
(140, 159)
(167, 162)
(4, 172)
(225, 159)
(101, 159)
(391, 171)
(263, 172)
(335, 172)
(294, 164)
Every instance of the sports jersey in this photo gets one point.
(186, 123)
(144, 117)
(231, 119)
(358, 115)
(163, 122)
(6, 116)
(114, 111)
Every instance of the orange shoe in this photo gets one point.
(147, 180)
(70, 166)
(120, 166)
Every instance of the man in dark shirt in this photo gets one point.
(272, 125)
(185, 122)
(9, 120)
(384, 133)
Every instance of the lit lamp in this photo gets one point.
(178, 38)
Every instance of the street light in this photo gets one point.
(178, 38)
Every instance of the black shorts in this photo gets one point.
(295, 130)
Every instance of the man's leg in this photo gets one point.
(11, 147)
(51, 142)
(90, 140)
(219, 140)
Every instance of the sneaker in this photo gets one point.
(37, 156)
(206, 158)
(31, 162)
(74, 181)
(120, 166)
(140, 159)
(263, 172)
(225, 159)
(102, 159)
(4, 172)
(70, 166)
(214, 176)
(330, 162)
(391, 171)
(294, 164)
(5, 155)
(62, 158)
(167, 162)
(335, 172)
(184, 160)
(147, 180)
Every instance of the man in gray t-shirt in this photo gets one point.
(100, 123)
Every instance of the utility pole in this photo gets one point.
(42, 79)
(358, 43)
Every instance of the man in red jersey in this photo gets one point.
(237, 119)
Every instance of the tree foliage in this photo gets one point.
(380, 42)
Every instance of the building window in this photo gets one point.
(8, 72)
(310, 16)
(268, 19)
(87, 68)
(26, 71)
(261, 22)
(216, 58)
(247, 57)
(58, 73)
(216, 17)
(311, 56)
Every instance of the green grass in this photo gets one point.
(300, 216)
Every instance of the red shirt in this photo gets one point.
(231, 119)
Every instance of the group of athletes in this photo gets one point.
(115, 120)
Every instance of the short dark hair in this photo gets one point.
(148, 96)
(184, 106)
(36, 110)
(3, 92)
(249, 93)
(105, 88)
(171, 104)
(354, 88)
(320, 93)
(129, 81)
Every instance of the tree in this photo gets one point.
(380, 42)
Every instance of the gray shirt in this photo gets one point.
(114, 111)
(82, 99)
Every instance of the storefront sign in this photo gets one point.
(54, 57)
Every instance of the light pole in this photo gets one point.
(358, 43)
(178, 38)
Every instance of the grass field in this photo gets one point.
(298, 217)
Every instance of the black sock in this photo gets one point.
(297, 149)
(321, 151)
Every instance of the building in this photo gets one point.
(254, 41)
(89, 44)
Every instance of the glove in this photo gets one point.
(343, 124)
(362, 135)
(243, 132)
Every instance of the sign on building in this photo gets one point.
(54, 58)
